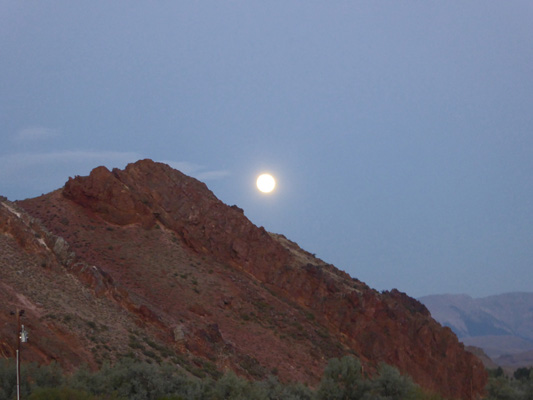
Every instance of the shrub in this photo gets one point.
(63, 393)
(391, 385)
(500, 389)
(342, 380)
(132, 379)
(230, 386)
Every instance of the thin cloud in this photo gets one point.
(198, 171)
(24, 161)
(186, 167)
(33, 133)
(213, 175)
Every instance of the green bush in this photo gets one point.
(28, 373)
(391, 385)
(45, 376)
(342, 380)
(126, 379)
(131, 379)
(502, 388)
(8, 379)
(63, 393)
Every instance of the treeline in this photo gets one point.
(134, 380)
(519, 387)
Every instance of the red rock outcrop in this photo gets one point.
(146, 192)
(169, 259)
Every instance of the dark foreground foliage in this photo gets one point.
(520, 387)
(134, 380)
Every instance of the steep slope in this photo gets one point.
(62, 297)
(148, 261)
(484, 358)
(500, 325)
(514, 309)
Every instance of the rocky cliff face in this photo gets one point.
(148, 262)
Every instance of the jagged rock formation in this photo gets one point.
(148, 262)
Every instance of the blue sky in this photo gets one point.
(400, 133)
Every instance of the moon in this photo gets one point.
(266, 183)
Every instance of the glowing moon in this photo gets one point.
(266, 183)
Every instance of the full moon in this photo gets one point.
(266, 183)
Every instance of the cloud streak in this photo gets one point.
(35, 133)
(18, 162)
(198, 171)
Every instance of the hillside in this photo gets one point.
(147, 262)
(501, 325)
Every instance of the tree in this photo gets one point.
(275, 390)
(45, 376)
(231, 387)
(501, 389)
(522, 373)
(391, 385)
(342, 380)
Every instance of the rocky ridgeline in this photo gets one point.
(153, 256)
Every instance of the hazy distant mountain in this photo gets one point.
(146, 262)
(501, 325)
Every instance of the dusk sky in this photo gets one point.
(400, 133)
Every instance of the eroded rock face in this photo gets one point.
(146, 192)
(166, 256)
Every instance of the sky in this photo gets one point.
(400, 133)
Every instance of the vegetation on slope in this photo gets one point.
(129, 379)
(519, 387)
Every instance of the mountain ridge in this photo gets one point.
(150, 255)
(502, 325)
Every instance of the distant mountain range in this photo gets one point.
(501, 325)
